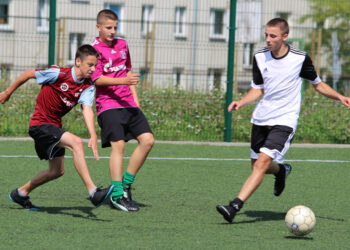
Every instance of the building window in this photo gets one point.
(119, 10)
(75, 40)
(147, 19)
(214, 79)
(5, 20)
(43, 16)
(177, 77)
(218, 24)
(248, 50)
(179, 29)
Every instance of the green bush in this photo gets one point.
(180, 115)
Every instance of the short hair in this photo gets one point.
(86, 50)
(106, 14)
(283, 24)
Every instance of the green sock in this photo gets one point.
(118, 190)
(128, 179)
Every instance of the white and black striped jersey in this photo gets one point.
(281, 80)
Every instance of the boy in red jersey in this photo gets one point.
(62, 89)
(119, 115)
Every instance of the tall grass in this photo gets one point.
(179, 115)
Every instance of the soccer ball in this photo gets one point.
(300, 220)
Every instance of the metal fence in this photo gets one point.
(177, 44)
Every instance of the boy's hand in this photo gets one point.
(132, 79)
(93, 145)
(346, 101)
(234, 106)
(4, 96)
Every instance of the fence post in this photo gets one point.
(52, 32)
(230, 69)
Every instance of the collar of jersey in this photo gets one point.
(105, 44)
(75, 78)
(278, 58)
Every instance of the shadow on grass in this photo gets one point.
(73, 211)
(299, 237)
(259, 216)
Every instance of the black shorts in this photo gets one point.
(46, 138)
(271, 140)
(122, 124)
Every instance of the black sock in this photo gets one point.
(281, 170)
(237, 204)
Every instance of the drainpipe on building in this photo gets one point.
(194, 43)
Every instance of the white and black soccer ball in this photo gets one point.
(300, 220)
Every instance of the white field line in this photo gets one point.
(187, 159)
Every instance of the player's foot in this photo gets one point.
(23, 201)
(280, 178)
(228, 211)
(127, 195)
(101, 195)
(123, 204)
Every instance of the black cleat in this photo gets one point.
(127, 195)
(228, 211)
(123, 204)
(101, 195)
(23, 201)
(280, 178)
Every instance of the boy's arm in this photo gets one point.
(130, 79)
(25, 76)
(88, 114)
(251, 96)
(327, 91)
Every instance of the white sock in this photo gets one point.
(93, 192)
(21, 194)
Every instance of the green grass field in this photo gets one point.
(178, 189)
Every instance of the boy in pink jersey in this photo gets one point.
(119, 115)
(62, 89)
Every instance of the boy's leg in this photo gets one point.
(259, 168)
(20, 195)
(138, 157)
(55, 170)
(75, 144)
(116, 170)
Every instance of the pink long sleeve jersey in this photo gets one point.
(114, 61)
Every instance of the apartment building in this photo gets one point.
(175, 43)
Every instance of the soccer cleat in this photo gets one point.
(280, 179)
(123, 204)
(23, 201)
(101, 195)
(127, 195)
(228, 211)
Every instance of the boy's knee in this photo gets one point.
(56, 173)
(148, 141)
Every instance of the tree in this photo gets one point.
(330, 16)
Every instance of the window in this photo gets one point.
(43, 16)
(119, 10)
(217, 24)
(75, 40)
(248, 50)
(147, 19)
(5, 20)
(179, 29)
(214, 79)
(177, 73)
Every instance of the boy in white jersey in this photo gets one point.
(119, 115)
(278, 70)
